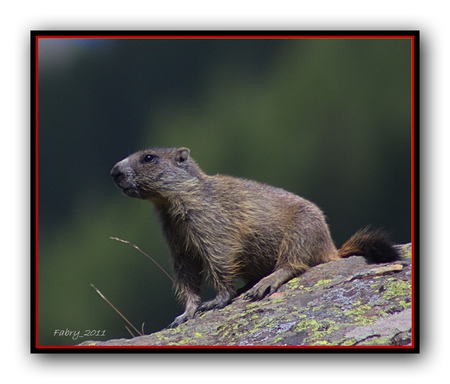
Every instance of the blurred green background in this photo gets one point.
(328, 119)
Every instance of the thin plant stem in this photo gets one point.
(140, 250)
(113, 307)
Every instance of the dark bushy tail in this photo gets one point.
(374, 245)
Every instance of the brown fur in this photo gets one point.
(228, 227)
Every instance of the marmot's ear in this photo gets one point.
(182, 155)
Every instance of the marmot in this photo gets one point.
(224, 227)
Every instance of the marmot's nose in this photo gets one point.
(117, 173)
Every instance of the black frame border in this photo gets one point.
(414, 35)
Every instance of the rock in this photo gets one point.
(343, 303)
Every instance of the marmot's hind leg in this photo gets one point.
(271, 283)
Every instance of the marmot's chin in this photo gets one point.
(131, 192)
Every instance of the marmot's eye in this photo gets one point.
(148, 159)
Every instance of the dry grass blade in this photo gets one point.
(140, 250)
(113, 307)
(131, 333)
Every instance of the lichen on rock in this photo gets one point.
(342, 303)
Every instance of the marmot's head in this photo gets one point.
(155, 173)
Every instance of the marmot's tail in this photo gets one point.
(374, 245)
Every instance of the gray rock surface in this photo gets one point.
(343, 303)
